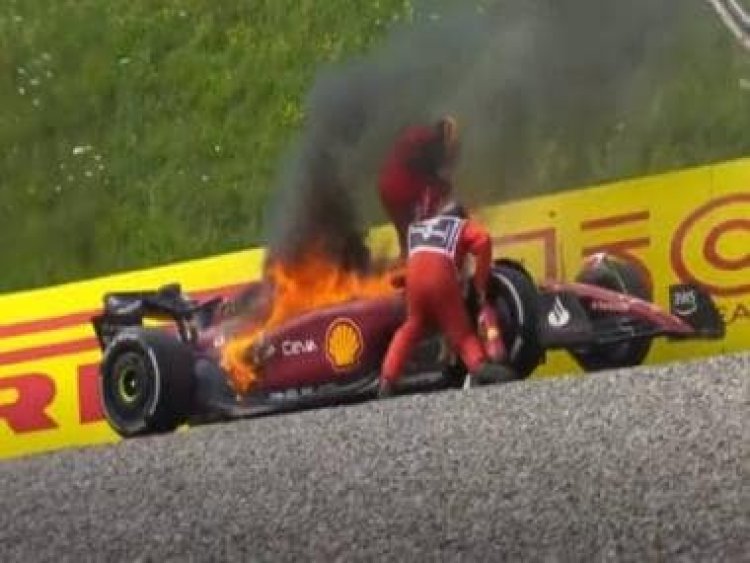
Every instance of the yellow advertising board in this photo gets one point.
(691, 225)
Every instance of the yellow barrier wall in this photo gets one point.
(693, 224)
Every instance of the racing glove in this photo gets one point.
(489, 333)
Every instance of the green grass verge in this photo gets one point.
(136, 133)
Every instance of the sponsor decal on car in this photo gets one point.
(298, 347)
(292, 394)
(621, 306)
(559, 316)
(685, 302)
(344, 343)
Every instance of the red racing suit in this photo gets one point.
(406, 175)
(437, 249)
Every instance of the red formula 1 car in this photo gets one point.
(154, 379)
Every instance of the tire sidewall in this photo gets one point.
(620, 276)
(130, 342)
(519, 295)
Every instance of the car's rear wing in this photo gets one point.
(169, 303)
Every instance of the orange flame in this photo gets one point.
(312, 283)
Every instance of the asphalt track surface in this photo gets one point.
(642, 465)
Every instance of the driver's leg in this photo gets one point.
(404, 341)
(453, 320)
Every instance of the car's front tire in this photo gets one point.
(623, 277)
(147, 382)
(516, 299)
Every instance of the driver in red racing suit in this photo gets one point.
(438, 243)
(421, 159)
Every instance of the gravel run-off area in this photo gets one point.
(647, 464)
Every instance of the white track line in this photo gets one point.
(734, 18)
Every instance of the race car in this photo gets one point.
(156, 378)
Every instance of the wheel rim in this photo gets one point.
(129, 389)
(130, 385)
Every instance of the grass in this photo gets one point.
(135, 133)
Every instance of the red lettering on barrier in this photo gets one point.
(48, 351)
(41, 325)
(710, 247)
(614, 220)
(623, 249)
(710, 251)
(28, 413)
(89, 396)
(741, 313)
(548, 238)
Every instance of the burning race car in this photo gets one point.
(154, 379)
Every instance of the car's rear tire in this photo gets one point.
(624, 277)
(147, 382)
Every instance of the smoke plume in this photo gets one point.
(527, 79)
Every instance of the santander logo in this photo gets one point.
(559, 316)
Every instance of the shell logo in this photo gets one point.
(343, 343)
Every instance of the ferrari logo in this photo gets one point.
(343, 343)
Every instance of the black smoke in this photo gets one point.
(531, 82)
